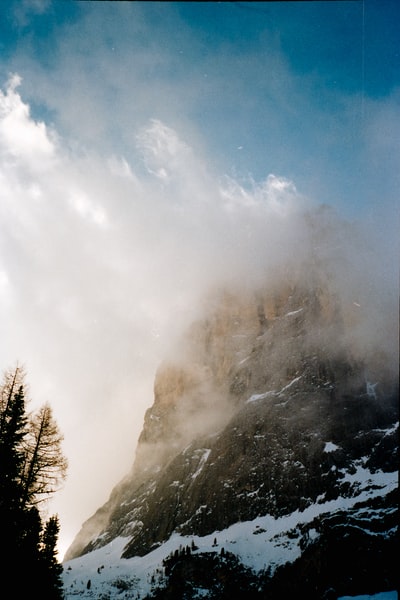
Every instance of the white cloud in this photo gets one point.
(22, 138)
(161, 145)
(25, 9)
(120, 167)
(281, 194)
(103, 261)
(101, 266)
(88, 209)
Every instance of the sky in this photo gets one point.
(150, 150)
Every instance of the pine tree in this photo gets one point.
(12, 431)
(31, 465)
(27, 558)
(51, 581)
(13, 424)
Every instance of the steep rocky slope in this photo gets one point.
(269, 408)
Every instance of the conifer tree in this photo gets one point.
(27, 558)
(12, 432)
(44, 466)
(51, 582)
(31, 465)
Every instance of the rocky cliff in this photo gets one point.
(270, 408)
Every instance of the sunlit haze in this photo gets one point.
(150, 151)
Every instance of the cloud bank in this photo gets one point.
(104, 261)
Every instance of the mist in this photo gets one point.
(142, 170)
(104, 267)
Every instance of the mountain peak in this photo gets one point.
(264, 410)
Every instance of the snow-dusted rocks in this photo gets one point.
(265, 461)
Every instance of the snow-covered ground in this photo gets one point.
(103, 574)
(381, 596)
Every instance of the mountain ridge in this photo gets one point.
(266, 410)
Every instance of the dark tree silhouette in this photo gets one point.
(52, 582)
(31, 465)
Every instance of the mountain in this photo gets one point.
(267, 464)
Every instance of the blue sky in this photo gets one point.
(293, 88)
(150, 149)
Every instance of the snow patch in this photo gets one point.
(202, 462)
(381, 596)
(289, 385)
(271, 546)
(256, 397)
(293, 312)
(331, 447)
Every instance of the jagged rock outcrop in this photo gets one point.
(266, 410)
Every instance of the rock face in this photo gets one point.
(266, 410)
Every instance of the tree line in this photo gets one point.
(32, 466)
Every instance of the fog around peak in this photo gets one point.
(151, 153)
(104, 267)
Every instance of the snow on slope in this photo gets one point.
(102, 573)
(381, 596)
(256, 397)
